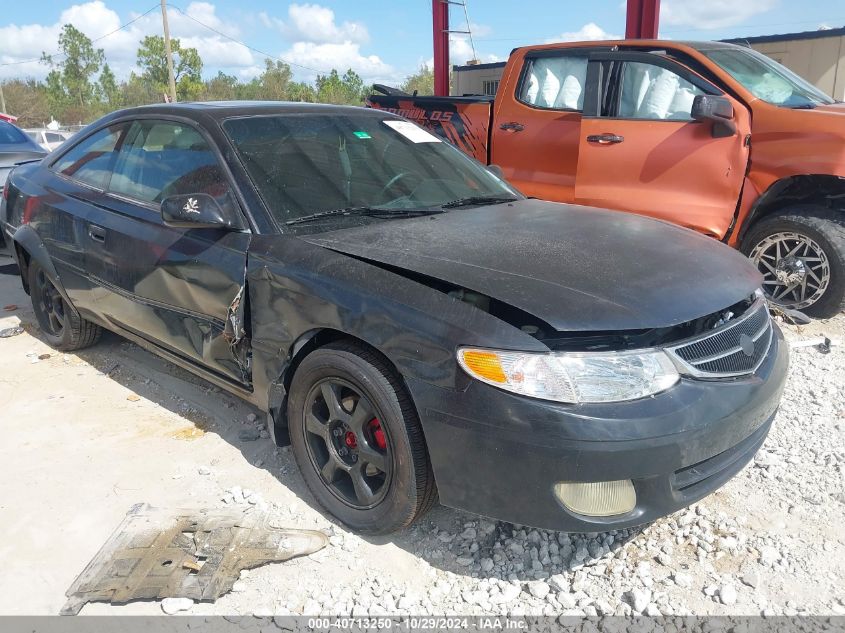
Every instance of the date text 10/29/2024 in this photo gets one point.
(423, 623)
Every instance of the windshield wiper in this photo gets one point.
(463, 202)
(368, 211)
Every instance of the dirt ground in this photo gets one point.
(85, 436)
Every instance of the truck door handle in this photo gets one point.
(96, 233)
(605, 139)
(516, 127)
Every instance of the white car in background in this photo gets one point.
(48, 139)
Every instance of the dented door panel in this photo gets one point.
(172, 286)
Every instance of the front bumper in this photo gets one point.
(499, 455)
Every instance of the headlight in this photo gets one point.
(573, 376)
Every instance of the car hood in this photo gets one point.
(576, 268)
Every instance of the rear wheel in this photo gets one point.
(357, 439)
(62, 329)
(801, 254)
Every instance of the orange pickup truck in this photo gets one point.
(711, 136)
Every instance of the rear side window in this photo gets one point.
(90, 161)
(52, 137)
(555, 82)
(165, 158)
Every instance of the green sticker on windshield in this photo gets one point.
(361, 134)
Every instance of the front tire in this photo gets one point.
(60, 326)
(800, 252)
(357, 439)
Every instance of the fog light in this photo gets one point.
(598, 499)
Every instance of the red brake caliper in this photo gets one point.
(378, 434)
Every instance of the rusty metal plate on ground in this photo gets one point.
(199, 554)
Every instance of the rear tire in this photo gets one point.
(60, 326)
(802, 248)
(357, 439)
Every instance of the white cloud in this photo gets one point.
(713, 14)
(589, 32)
(318, 43)
(96, 19)
(316, 24)
(460, 51)
(480, 30)
(316, 40)
(340, 56)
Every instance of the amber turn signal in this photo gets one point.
(484, 365)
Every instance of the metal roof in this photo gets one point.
(786, 37)
(479, 66)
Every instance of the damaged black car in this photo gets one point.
(415, 327)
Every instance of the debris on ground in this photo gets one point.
(821, 343)
(249, 435)
(184, 556)
(11, 331)
(11, 307)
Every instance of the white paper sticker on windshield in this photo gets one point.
(412, 132)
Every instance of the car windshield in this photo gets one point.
(766, 79)
(314, 163)
(10, 135)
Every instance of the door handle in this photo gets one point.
(96, 233)
(605, 139)
(512, 125)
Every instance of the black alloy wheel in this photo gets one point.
(357, 438)
(61, 326)
(50, 304)
(346, 443)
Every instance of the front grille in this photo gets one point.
(722, 353)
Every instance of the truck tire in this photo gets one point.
(801, 253)
(357, 439)
(63, 330)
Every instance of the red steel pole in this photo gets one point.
(642, 19)
(440, 13)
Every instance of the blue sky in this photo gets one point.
(382, 40)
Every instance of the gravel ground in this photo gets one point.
(769, 542)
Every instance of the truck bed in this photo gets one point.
(463, 121)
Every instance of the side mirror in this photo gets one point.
(196, 211)
(717, 109)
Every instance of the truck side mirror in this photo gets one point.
(196, 211)
(717, 109)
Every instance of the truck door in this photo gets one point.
(641, 151)
(537, 122)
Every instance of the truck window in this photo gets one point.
(651, 92)
(768, 80)
(556, 82)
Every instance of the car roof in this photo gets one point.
(226, 109)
